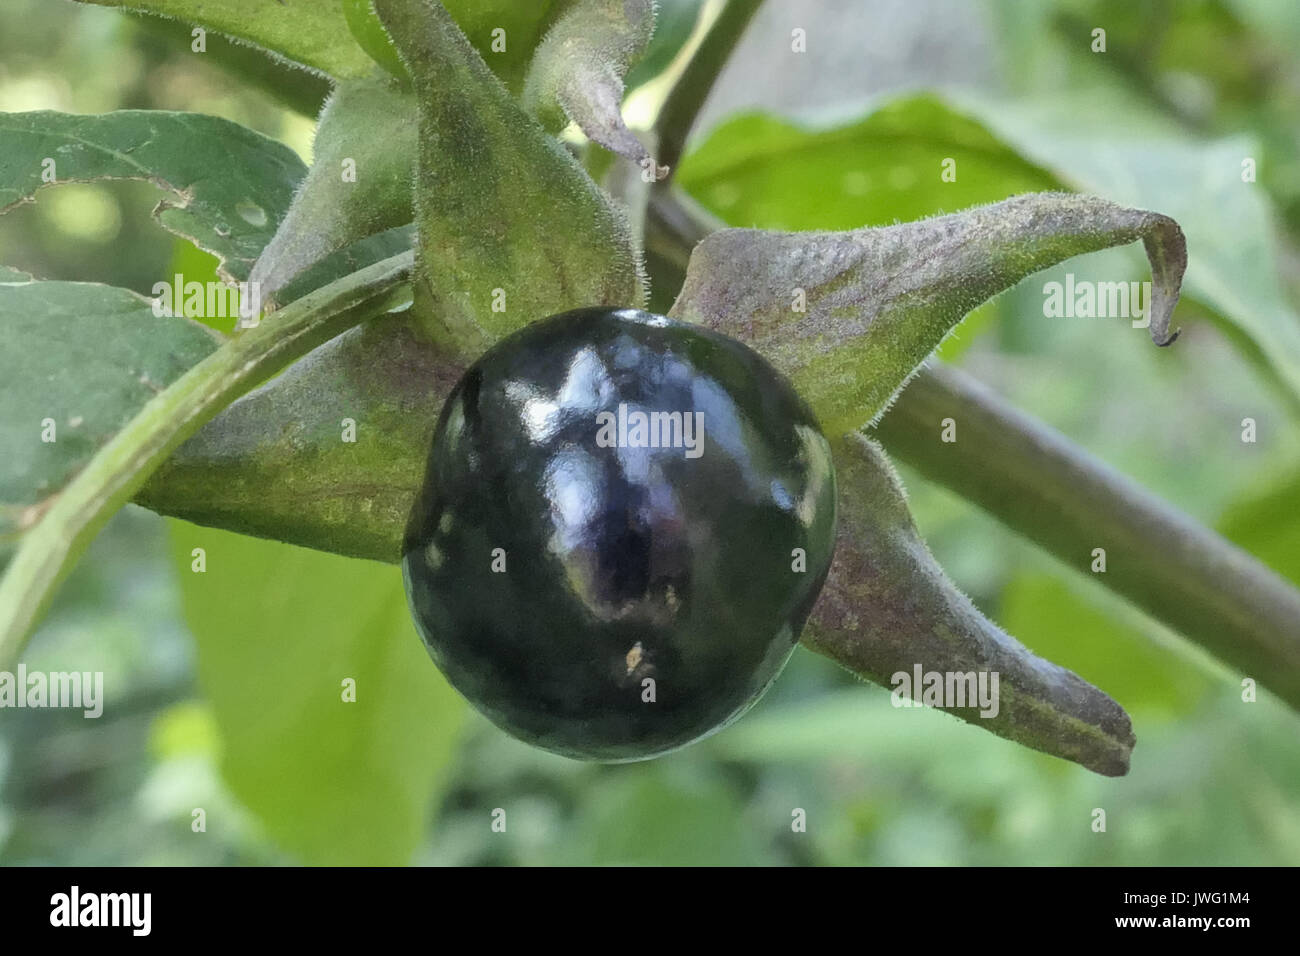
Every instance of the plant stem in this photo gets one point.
(120, 468)
(1035, 481)
(687, 96)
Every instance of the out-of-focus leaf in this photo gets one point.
(1112, 646)
(1215, 787)
(681, 819)
(79, 361)
(674, 22)
(227, 185)
(577, 73)
(360, 182)
(1234, 267)
(855, 723)
(1215, 68)
(510, 227)
(303, 91)
(759, 170)
(1277, 19)
(311, 32)
(195, 265)
(1267, 524)
(849, 316)
(281, 631)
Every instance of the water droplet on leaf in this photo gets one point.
(251, 213)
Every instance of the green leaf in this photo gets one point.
(80, 360)
(848, 316)
(374, 39)
(121, 466)
(311, 32)
(510, 227)
(683, 818)
(577, 73)
(303, 91)
(359, 184)
(756, 170)
(674, 23)
(504, 32)
(522, 26)
(279, 631)
(887, 608)
(195, 265)
(1267, 524)
(228, 186)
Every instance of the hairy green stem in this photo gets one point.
(687, 96)
(122, 466)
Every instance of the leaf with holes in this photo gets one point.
(227, 186)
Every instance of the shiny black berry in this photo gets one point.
(623, 525)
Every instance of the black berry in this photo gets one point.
(624, 523)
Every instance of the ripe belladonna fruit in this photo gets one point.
(623, 526)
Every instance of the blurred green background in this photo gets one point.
(223, 688)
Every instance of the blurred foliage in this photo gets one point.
(674, 23)
(313, 34)
(333, 726)
(193, 716)
(1099, 638)
(1211, 67)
